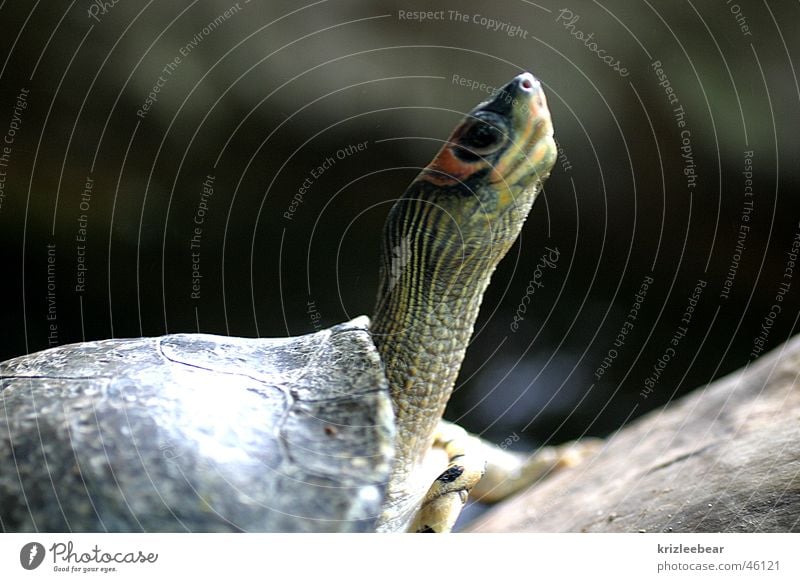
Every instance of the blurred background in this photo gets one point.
(153, 157)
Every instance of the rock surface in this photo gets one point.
(725, 458)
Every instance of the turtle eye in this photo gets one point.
(485, 136)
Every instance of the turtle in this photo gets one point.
(337, 430)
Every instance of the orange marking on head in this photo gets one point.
(446, 168)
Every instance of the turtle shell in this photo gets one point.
(196, 432)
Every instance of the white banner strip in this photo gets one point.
(343, 557)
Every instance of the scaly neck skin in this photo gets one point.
(430, 295)
(427, 332)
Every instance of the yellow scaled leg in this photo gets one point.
(489, 472)
(509, 472)
(448, 494)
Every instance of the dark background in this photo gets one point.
(265, 96)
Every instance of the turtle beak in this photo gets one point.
(523, 91)
(523, 104)
(533, 151)
(536, 102)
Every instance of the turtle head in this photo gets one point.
(472, 199)
(486, 176)
(505, 142)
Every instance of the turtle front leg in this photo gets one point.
(446, 497)
(509, 472)
(489, 472)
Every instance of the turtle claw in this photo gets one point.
(449, 492)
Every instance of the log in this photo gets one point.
(725, 458)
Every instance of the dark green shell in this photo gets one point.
(197, 433)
